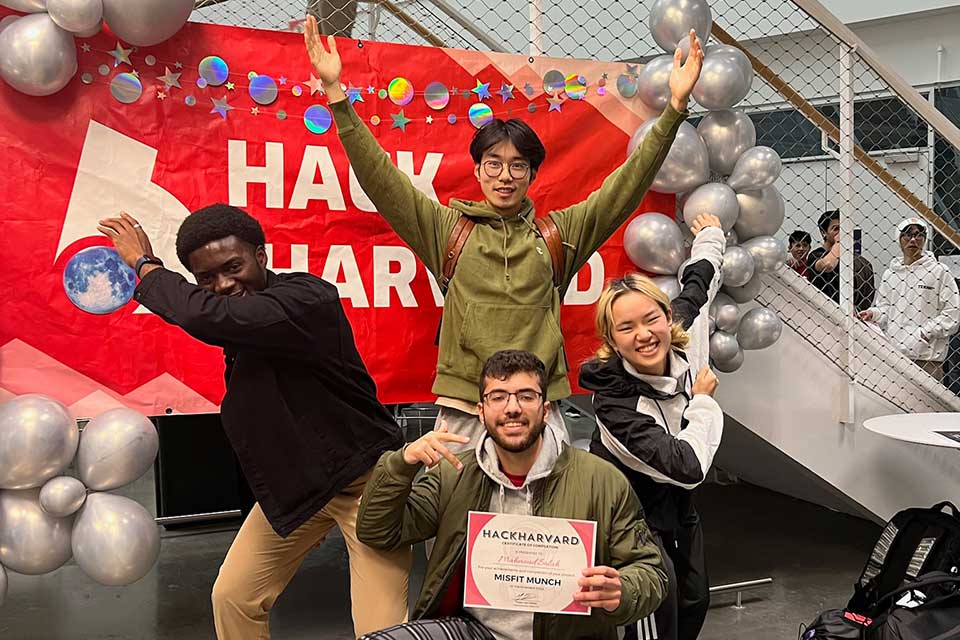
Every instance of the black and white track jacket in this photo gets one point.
(653, 428)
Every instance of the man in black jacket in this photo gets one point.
(300, 410)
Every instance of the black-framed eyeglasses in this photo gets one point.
(914, 234)
(525, 398)
(517, 170)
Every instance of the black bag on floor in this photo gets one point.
(910, 586)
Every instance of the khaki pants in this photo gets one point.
(260, 564)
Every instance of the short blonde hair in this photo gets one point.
(631, 283)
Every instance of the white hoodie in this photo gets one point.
(918, 307)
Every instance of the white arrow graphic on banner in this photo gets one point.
(115, 174)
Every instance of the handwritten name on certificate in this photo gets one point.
(527, 563)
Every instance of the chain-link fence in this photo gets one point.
(811, 86)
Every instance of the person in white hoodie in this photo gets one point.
(918, 305)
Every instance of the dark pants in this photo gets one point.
(682, 613)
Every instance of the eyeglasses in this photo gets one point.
(525, 398)
(913, 234)
(517, 170)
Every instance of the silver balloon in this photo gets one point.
(731, 365)
(761, 213)
(727, 134)
(756, 168)
(723, 82)
(759, 328)
(116, 448)
(723, 346)
(654, 243)
(62, 496)
(714, 198)
(769, 253)
(725, 312)
(732, 237)
(6, 21)
(738, 266)
(747, 292)
(685, 168)
(668, 284)
(32, 542)
(89, 33)
(38, 439)
(653, 83)
(735, 54)
(36, 56)
(671, 20)
(25, 6)
(76, 15)
(3, 585)
(711, 325)
(146, 22)
(115, 541)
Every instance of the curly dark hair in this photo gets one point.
(523, 137)
(506, 363)
(216, 222)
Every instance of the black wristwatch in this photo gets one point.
(145, 259)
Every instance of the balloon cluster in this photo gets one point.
(715, 168)
(47, 517)
(38, 55)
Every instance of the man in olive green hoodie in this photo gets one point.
(521, 466)
(503, 294)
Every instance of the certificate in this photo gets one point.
(527, 563)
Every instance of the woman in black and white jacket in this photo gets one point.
(657, 420)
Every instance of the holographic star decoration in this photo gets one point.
(230, 86)
(429, 120)
(85, 47)
(120, 55)
(631, 69)
(528, 89)
(316, 86)
(178, 64)
(135, 73)
(161, 95)
(400, 121)
(255, 111)
(371, 89)
(506, 91)
(170, 79)
(555, 103)
(220, 106)
(482, 90)
(353, 94)
(282, 79)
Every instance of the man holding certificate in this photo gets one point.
(534, 539)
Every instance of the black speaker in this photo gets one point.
(196, 470)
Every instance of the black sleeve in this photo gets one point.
(695, 288)
(274, 321)
(812, 258)
(648, 441)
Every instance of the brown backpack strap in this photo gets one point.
(451, 254)
(551, 236)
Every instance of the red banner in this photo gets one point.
(161, 131)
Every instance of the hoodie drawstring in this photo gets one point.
(506, 264)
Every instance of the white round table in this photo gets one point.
(920, 428)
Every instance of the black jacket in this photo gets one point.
(658, 434)
(301, 411)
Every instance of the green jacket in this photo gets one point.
(503, 295)
(397, 511)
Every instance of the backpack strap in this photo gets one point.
(451, 254)
(551, 236)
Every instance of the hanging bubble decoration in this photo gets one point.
(400, 91)
(317, 119)
(437, 96)
(126, 88)
(554, 82)
(480, 114)
(263, 90)
(576, 87)
(213, 70)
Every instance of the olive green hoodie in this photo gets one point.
(502, 296)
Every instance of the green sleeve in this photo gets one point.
(398, 509)
(587, 225)
(636, 556)
(424, 224)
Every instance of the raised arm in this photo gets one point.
(424, 224)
